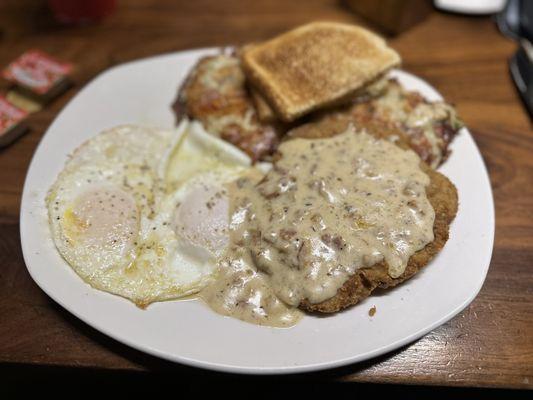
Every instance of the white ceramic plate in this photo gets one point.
(471, 7)
(188, 331)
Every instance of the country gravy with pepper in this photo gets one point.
(327, 207)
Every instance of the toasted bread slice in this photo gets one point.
(316, 65)
(442, 195)
(265, 113)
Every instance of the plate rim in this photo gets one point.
(228, 368)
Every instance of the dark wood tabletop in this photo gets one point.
(489, 344)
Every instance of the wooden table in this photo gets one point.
(490, 344)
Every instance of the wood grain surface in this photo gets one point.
(490, 344)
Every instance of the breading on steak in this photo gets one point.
(215, 94)
(442, 195)
(429, 127)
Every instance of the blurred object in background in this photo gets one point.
(516, 22)
(23, 102)
(36, 78)
(37, 72)
(391, 16)
(471, 7)
(80, 12)
(521, 68)
(11, 122)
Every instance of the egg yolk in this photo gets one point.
(202, 218)
(103, 218)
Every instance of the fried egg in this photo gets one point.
(126, 211)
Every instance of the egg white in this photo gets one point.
(199, 152)
(125, 144)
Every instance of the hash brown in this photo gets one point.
(215, 94)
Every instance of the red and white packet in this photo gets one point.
(38, 72)
(11, 125)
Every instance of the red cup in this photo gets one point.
(77, 12)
